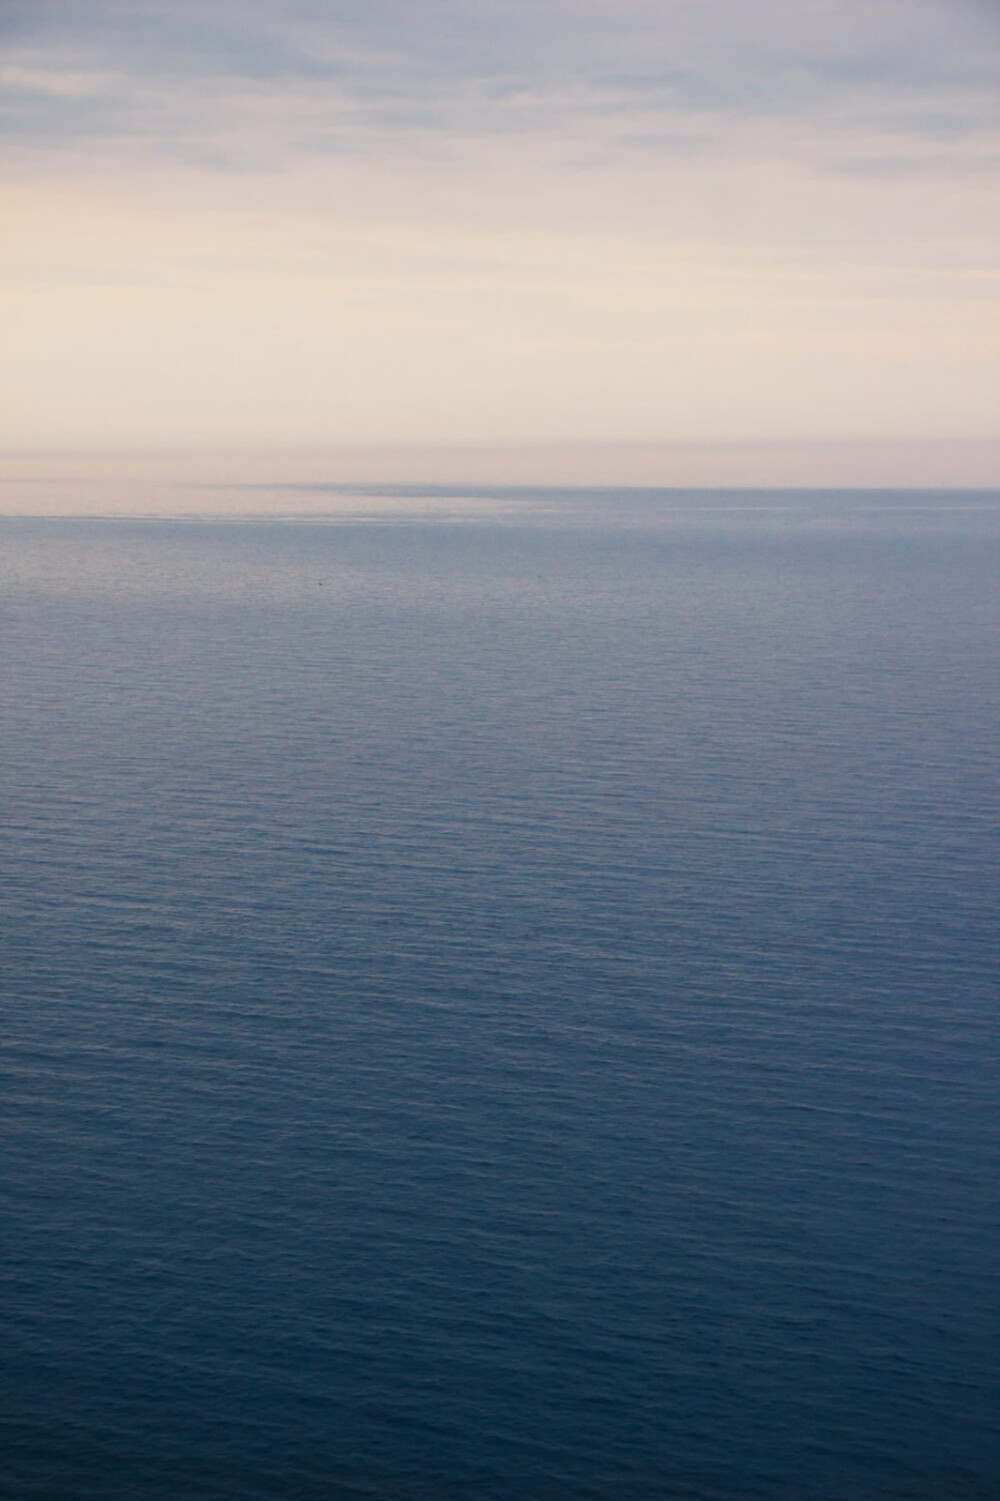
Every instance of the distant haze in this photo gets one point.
(676, 230)
(304, 480)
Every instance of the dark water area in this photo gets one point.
(500, 1002)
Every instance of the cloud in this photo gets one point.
(185, 77)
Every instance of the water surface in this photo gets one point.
(500, 1000)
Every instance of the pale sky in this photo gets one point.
(498, 222)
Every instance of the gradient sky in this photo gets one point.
(498, 221)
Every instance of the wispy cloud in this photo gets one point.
(327, 78)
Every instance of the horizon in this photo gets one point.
(213, 481)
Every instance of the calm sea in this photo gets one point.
(500, 1001)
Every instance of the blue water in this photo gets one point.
(501, 1001)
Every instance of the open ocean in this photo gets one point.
(500, 1000)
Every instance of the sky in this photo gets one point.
(499, 222)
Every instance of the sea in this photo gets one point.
(500, 998)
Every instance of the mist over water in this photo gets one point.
(500, 999)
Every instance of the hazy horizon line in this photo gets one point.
(147, 480)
